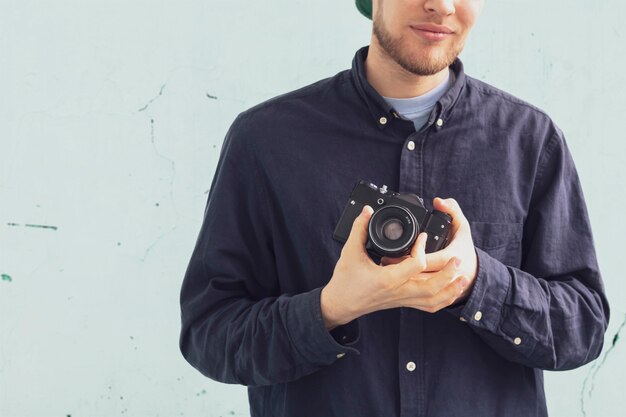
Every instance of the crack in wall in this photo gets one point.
(37, 226)
(171, 162)
(591, 375)
(171, 187)
(172, 165)
(149, 249)
(211, 97)
(154, 146)
(153, 98)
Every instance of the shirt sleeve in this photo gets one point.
(552, 312)
(237, 326)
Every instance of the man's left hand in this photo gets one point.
(460, 246)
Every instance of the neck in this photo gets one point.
(389, 79)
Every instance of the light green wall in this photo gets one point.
(112, 114)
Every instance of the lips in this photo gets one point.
(431, 27)
(432, 32)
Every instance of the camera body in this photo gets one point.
(396, 222)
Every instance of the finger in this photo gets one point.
(447, 296)
(412, 264)
(428, 289)
(358, 234)
(387, 260)
(435, 261)
(419, 247)
(451, 207)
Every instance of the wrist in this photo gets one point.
(329, 313)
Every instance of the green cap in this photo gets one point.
(365, 7)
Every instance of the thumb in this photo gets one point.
(451, 207)
(358, 233)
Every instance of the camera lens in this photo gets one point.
(392, 231)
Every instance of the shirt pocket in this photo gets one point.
(503, 241)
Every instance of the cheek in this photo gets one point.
(468, 12)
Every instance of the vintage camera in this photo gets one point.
(396, 222)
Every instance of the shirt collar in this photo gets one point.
(382, 112)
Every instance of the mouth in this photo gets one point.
(432, 32)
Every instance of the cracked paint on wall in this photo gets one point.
(153, 99)
(169, 160)
(37, 226)
(153, 142)
(591, 376)
(171, 163)
(149, 248)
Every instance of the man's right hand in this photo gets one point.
(359, 286)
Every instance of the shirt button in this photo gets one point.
(517, 340)
(340, 355)
(410, 366)
(439, 122)
(383, 120)
(478, 316)
(410, 145)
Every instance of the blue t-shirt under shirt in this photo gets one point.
(418, 108)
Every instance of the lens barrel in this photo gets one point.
(392, 230)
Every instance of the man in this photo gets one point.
(314, 328)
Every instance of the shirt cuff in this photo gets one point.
(309, 333)
(483, 307)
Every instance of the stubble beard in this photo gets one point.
(413, 64)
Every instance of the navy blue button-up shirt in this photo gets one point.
(250, 298)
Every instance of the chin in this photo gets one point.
(429, 60)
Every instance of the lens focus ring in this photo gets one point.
(392, 230)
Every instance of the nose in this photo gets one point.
(441, 7)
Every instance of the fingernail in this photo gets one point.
(457, 262)
(462, 282)
(367, 209)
